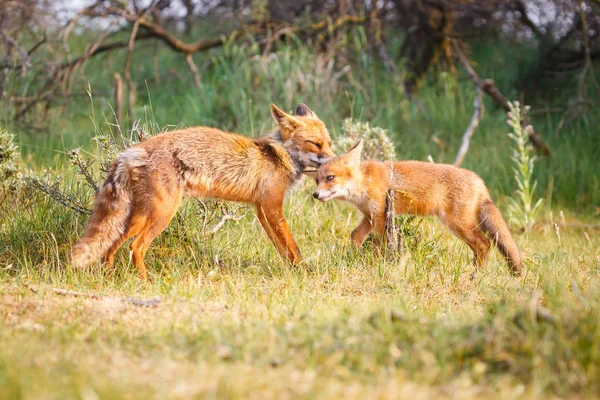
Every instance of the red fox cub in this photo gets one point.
(146, 182)
(457, 196)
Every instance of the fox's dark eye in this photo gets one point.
(330, 177)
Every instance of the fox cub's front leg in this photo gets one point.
(362, 231)
(378, 223)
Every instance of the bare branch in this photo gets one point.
(24, 54)
(118, 98)
(81, 60)
(491, 90)
(588, 59)
(105, 48)
(221, 223)
(477, 114)
(520, 7)
(392, 236)
(57, 195)
(465, 63)
(130, 84)
(193, 69)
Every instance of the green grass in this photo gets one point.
(234, 321)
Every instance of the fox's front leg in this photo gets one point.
(362, 231)
(270, 215)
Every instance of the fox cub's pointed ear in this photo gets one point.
(352, 156)
(287, 123)
(303, 111)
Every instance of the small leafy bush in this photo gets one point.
(10, 164)
(377, 144)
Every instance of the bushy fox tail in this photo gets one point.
(112, 209)
(493, 224)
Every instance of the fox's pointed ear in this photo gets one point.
(352, 156)
(303, 111)
(287, 123)
(278, 114)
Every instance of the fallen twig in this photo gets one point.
(65, 292)
(129, 300)
(142, 302)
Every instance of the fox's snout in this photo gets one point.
(320, 159)
(316, 195)
(323, 159)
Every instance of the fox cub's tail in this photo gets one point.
(110, 216)
(493, 224)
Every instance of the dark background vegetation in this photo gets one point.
(411, 66)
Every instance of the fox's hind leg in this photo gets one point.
(476, 240)
(156, 224)
(109, 258)
(150, 224)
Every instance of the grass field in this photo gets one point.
(224, 317)
(233, 321)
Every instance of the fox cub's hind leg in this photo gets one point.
(480, 246)
(473, 236)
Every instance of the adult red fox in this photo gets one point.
(147, 181)
(457, 196)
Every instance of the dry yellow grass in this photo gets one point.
(234, 322)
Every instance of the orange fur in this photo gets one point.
(457, 196)
(147, 181)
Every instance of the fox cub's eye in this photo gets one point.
(330, 177)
